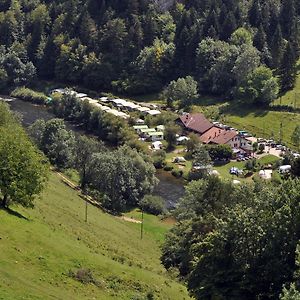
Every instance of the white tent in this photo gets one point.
(157, 145)
(153, 112)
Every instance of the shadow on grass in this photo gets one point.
(241, 109)
(14, 213)
(218, 163)
(210, 100)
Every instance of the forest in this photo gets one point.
(242, 49)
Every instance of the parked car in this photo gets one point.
(296, 155)
(285, 169)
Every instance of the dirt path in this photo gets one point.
(131, 220)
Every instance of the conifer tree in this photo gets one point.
(229, 26)
(277, 46)
(212, 21)
(287, 16)
(288, 70)
(254, 14)
(260, 38)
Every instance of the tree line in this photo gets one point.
(236, 48)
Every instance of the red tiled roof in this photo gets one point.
(225, 137)
(196, 122)
(210, 134)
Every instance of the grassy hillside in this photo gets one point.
(292, 97)
(262, 123)
(38, 253)
(259, 121)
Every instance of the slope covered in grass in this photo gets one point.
(263, 123)
(291, 98)
(38, 253)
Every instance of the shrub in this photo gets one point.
(29, 95)
(276, 179)
(168, 168)
(159, 159)
(84, 276)
(153, 204)
(261, 148)
(250, 165)
(177, 173)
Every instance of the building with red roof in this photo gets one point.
(211, 134)
(230, 137)
(195, 122)
(234, 139)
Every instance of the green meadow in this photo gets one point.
(42, 248)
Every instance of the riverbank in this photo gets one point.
(169, 188)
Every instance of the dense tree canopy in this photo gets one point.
(23, 169)
(55, 141)
(231, 240)
(141, 46)
(184, 90)
(122, 176)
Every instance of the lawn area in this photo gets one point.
(268, 159)
(150, 98)
(224, 170)
(37, 253)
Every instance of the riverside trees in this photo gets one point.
(122, 177)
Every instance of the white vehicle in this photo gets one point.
(285, 169)
(179, 159)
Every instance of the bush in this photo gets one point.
(177, 173)
(153, 204)
(168, 168)
(276, 179)
(29, 95)
(250, 165)
(84, 276)
(261, 148)
(159, 159)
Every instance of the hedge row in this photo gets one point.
(29, 95)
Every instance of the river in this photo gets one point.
(169, 188)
